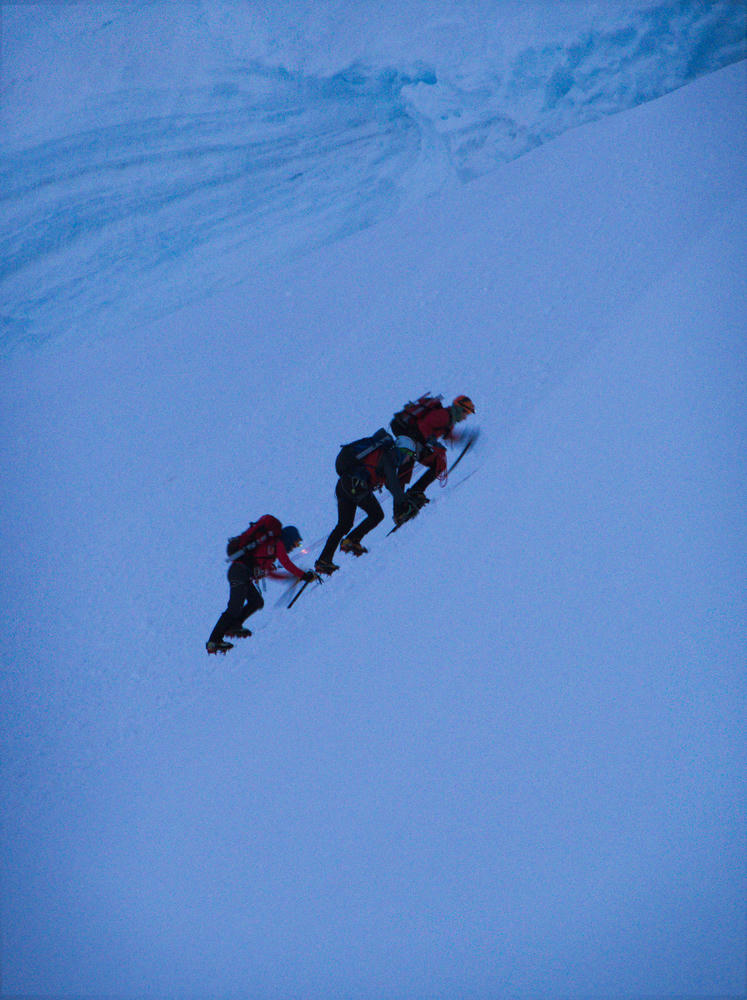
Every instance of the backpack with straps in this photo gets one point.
(405, 421)
(355, 452)
(260, 531)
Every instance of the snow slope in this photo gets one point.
(155, 151)
(502, 755)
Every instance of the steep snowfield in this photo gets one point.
(500, 755)
(151, 150)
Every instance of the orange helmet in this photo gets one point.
(464, 403)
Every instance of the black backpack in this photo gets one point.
(352, 454)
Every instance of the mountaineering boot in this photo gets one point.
(238, 633)
(405, 511)
(419, 497)
(351, 545)
(322, 566)
(218, 647)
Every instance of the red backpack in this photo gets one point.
(260, 531)
(407, 418)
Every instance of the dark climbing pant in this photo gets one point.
(244, 599)
(425, 481)
(346, 508)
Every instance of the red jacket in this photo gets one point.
(383, 472)
(261, 559)
(435, 423)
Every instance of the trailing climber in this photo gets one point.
(253, 554)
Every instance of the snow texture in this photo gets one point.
(153, 152)
(502, 755)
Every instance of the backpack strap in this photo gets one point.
(356, 452)
(408, 416)
(378, 440)
(263, 530)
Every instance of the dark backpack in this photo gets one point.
(260, 531)
(405, 421)
(354, 453)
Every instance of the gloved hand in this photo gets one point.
(405, 510)
(309, 576)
